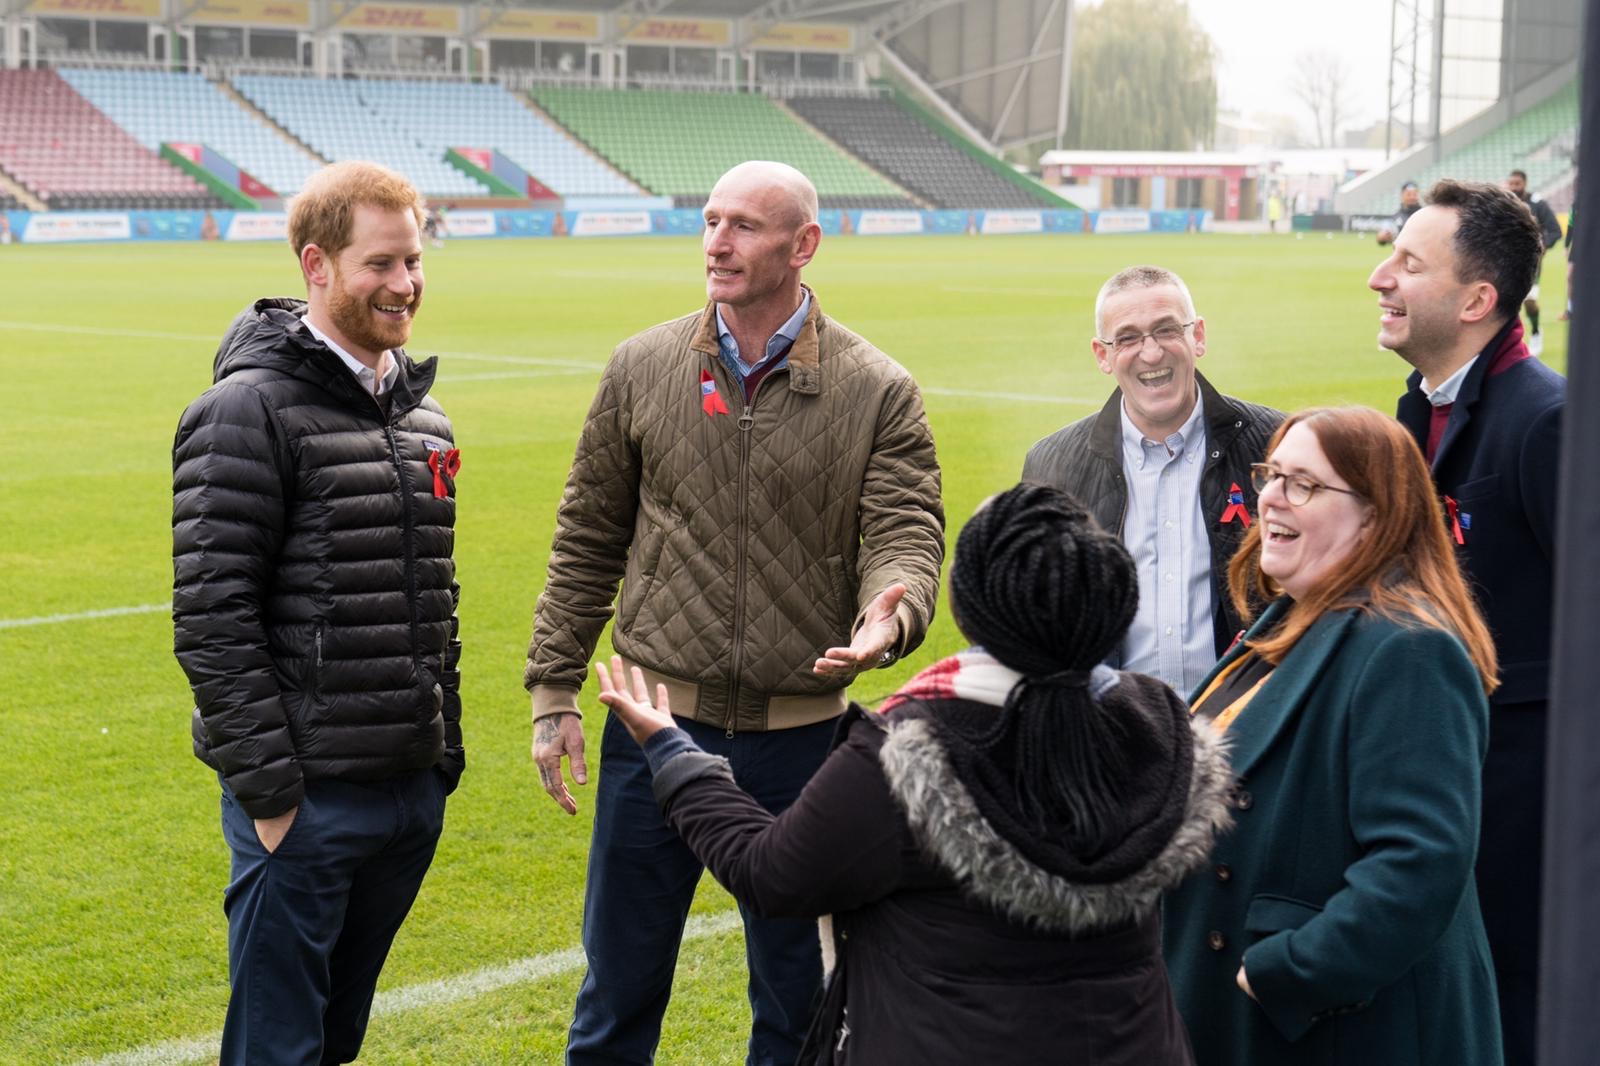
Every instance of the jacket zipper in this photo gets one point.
(316, 669)
(406, 506)
(747, 421)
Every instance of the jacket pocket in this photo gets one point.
(1478, 488)
(310, 682)
(638, 581)
(844, 602)
(1273, 914)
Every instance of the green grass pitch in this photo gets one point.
(111, 864)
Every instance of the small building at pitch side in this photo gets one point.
(1224, 183)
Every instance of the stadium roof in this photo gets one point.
(854, 11)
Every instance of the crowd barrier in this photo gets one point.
(57, 227)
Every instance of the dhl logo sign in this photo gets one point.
(129, 9)
(402, 18)
(546, 25)
(257, 12)
(690, 31)
(802, 36)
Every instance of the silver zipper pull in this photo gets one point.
(844, 1031)
(747, 418)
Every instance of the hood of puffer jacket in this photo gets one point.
(269, 335)
(948, 822)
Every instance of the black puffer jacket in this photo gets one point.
(314, 593)
(1085, 459)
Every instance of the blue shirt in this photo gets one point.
(1172, 636)
(777, 345)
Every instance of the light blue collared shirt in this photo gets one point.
(1445, 392)
(1172, 636)
(778, 343)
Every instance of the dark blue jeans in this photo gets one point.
(310, 924)
(642, 879)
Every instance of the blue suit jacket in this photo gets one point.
(1499, 460)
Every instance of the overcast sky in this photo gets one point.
(1257, 44)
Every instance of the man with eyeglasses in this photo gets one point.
(1488, 418)
(1166, 465)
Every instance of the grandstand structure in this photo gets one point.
(886, 104)
(1493, 85)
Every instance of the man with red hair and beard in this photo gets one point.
(314, 603)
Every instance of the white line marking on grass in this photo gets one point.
(1011, 397)
(574, 366)
(103, 331)
(451, 379)
(417, 997)
(79, 616)
(203, 338)
(987, 290)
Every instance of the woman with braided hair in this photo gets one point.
(991, 848)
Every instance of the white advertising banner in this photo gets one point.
(1013, 222)
(258, 226)
(610, 223)
(876, 223)
(469, 224)
(1122, 222)
(51, 229)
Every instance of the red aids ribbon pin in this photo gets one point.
(1236, 508)
(444, 466)
(1454, 512)
(710, 398)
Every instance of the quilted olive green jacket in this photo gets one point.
(748, 537)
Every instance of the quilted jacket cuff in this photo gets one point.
(905, 625)
(554, 699)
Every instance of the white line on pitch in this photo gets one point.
(79, 616)
(574, 365)
(202, 338)
(415, 997)
(1011, 397)
(985, 290)
(105, 331)
(451, 379)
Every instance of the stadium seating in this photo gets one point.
(56, 145)
(339, 120)
(1540, 141)
(904, 148)
(678, 143)
(445, 114)
(157, 107)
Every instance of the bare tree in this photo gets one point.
(1322, 82)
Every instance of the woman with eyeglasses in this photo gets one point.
(1338, 922)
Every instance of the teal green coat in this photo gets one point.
(1346, 883)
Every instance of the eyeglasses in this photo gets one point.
(1166, 336)
(1297, 488)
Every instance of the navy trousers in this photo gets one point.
(641, 882)
(310, 924)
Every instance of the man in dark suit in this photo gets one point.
(1488, 418)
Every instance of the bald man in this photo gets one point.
(764, 484)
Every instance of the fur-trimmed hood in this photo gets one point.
(947, 822)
